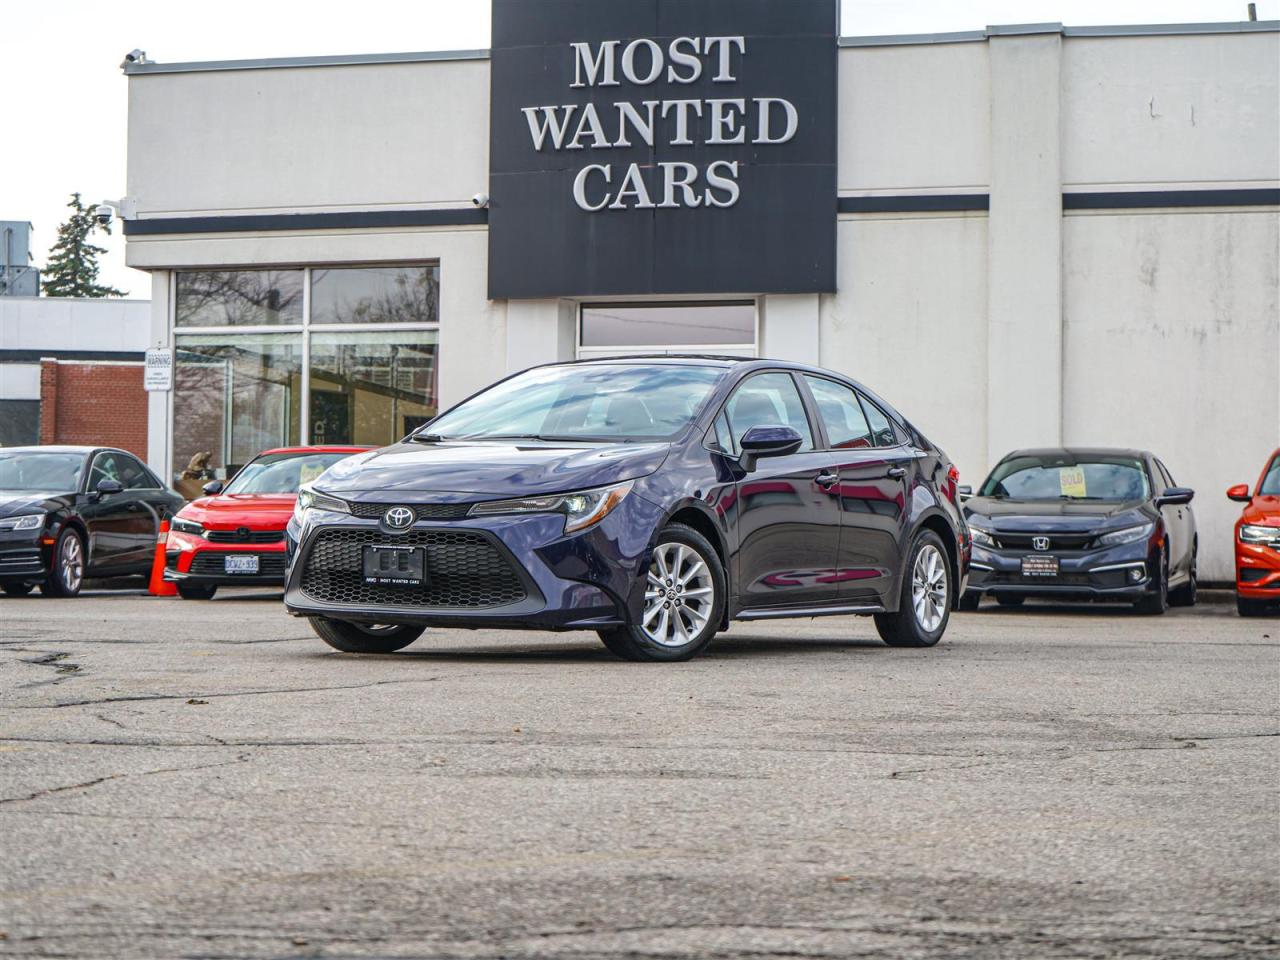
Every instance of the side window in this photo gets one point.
(104, 468)
(841, 414)
(719, 436)
(882, 432)
(767, 399)
(134, 475)
(1165, 476)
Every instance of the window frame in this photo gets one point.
(305, 328)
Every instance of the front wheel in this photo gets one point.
(969, 601)
(925, 604)
(684, 600)
(1255, 608)
(66, 573)
(1157, 601)
(364, 638)
(16, 589)
(189, 591)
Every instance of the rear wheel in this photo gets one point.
(66, 572)
(364, 637)
(925, 604)
(969, 600)
(1185, 595)
(684, 600)
(189, 591)
(16, 589)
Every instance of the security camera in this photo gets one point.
(135, 56)
(481, 200)
(103, 213)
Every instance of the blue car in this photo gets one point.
(652, 500)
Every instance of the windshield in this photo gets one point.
(41, 471)
(1063, 477)
(588, 402)
(1270, 485)
(282, 472)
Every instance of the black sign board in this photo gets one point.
(662, 147)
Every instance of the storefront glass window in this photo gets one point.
(372, 387)
(239, 298)
(669, 325)
(233, 397)
(401, 294)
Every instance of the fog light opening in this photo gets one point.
(1137, 574)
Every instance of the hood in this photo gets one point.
(16, 502)
(490, 470)
(1048, 516)
(228, 511)
(1263, 510)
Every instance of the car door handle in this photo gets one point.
(826, 480)
(897, 473)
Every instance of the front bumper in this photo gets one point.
(1121, 573)
(1257, 571)
(193, 560)
(24, 555)
(585, 581)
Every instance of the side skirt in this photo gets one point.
(780, 613)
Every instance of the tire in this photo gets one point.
(360, 638)
(969, 601)
(1185, 595)
(189, 591)
(674, 627)
(1157, 602)
(1010, 601)
(1256, 608)
(927, 579)
(16, 589)
(66, 570)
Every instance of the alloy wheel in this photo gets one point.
(71, 563)
(929, 588)
(679, 595)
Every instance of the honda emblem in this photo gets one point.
(1040, 543)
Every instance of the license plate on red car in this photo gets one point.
(245, 564)
(1039, 566)
(394, 566)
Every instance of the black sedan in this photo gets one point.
(650, 500)
(67, 513)
(1090, 524)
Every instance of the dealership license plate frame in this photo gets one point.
(235, 565)
(409, 574)
(1040, 566)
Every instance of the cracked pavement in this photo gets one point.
(182, 779)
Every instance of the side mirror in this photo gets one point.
(964, 492)
(1239, 493)
(106, 487)
(768, 441)
(212, 488)
(1175, 496)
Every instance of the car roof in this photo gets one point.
(61, 448)
(1079, 452)
(319, 448)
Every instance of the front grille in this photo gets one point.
(249, 536)
(1057, 541)
(209, 563)
(463, 570)
(19, 559)
(424, 511)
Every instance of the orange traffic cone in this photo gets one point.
(159, 586)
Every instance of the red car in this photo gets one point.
(236, 536)
(1258, 543)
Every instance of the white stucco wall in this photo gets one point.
(70, 323)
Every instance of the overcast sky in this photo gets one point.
(65, 97)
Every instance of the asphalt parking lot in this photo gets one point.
(184, 779)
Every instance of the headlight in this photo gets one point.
(28, 521)
(180, 525)
(982, 537)
(309, 499)
(1253, 533)
(581, 510)
(1126, 535)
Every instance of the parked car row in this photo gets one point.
(652, 500)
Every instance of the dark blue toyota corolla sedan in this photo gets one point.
(652, 500)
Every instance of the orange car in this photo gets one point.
(1258, 543)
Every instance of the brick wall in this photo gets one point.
(98, 403)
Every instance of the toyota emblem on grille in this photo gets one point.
(398, 518)
(1040, 543)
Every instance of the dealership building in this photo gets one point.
(1029, 235)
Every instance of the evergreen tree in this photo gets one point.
(72, 270)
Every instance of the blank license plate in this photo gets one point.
(1039, 566)
(247, 564)
(393, 566)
